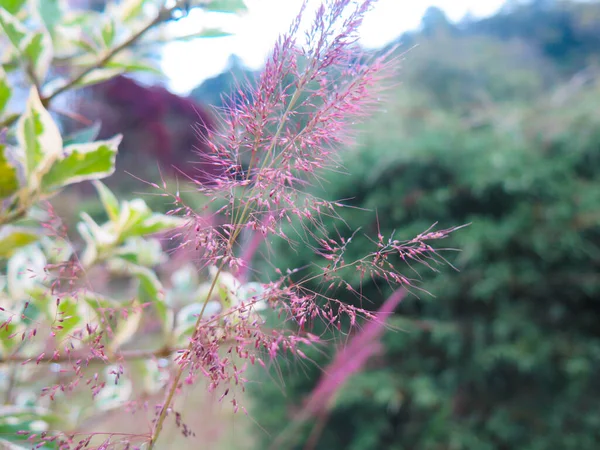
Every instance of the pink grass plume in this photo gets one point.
(353, 357)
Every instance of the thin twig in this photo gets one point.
(163, 15)
(128, 355)
(162, 415)
(12, 118)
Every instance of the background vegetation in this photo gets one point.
(496, 124)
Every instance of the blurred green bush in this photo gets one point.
(506, 353)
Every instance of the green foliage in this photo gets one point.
(12, 238)
(9, 181)
(81, 162)
(506, 352)
(461, 73)
(24, 418)
(12, 6)
(39, 139)
(13, 29)
(227, 6)
(564, 31)
(51, 12)
(46, 166)
(5, 90)
(36, 163)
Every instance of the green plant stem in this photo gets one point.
(160, 17)
(128, 355)
(9, 120)
(12, 377)
(162, 415)
(237, 221)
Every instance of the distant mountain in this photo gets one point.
(565, 32)
(216, 91)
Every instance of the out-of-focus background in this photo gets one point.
(494, 121)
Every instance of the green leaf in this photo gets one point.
(108, 33)
(51, 12)
(143, 252)
(113, 395)
(150, 290)
(206, 33)
(213, 33)
(131, 218)
(11, 63)
(99, 75)
(154, 223)
(126, 327)
(90, 252)
(132, 215)
(185, 279)
(82, 162)
(130, 9)
(19, 418)
(150, 373)
(14, 30)
(108, 199)
(184, 282)
(5, 90)
(57, 249)
(226, 6)
(38, 136)
(86, 46)
(38, 51)
(8, 343)
(227, 286)
(12, 6)
(73, 314)
(81, 18)
(187, 317)
(25, 271)
(84, 135)
(99, 302)
(97, 238)
(35, 49)
(9, 181)
(134, 66)
(12, 238)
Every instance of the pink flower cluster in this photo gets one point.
(274, 142)
(277, 139)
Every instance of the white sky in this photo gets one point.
(186, 64)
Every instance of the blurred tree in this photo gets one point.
(567, 32)
(508, 354)
(164, 129)
(471, 73)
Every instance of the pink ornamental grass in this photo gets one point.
(279, 137)
(352, 358)
(286, 129)
(348, 361)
